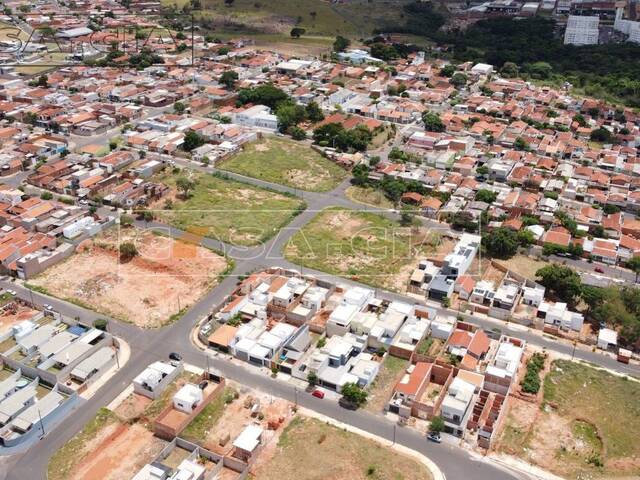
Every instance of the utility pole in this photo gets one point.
(41, 424)
(394, 433)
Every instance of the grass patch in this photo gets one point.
(361, 245)
(390, 373)
(63, 461)
(368, 196)
(286, 162)
(609, 401)
(336, 454)
(231, 211)
(199, 428)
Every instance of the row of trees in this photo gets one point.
(336, 136)
(615, 306)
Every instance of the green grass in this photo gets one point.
(286, 162)
(200, 426)
(63, 461)
(604, 409)
(368, 196)
(234, 212)
(311, 450)
(361, 245)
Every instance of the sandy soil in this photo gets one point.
(118, 452)
(165, 277)
(14, 314)
(236, 417)
(132, 407)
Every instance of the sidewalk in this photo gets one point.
(436, 473)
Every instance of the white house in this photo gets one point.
(187, 398)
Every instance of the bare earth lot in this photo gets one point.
(311, 450)
(165, 278)
(585, 429)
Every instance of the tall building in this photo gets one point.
(581, 30)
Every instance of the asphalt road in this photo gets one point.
(150, 345)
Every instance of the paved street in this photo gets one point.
(150, 345)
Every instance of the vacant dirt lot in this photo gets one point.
(311, 450)
(117, 452)
(166, 277)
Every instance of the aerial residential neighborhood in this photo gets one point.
(319, 240)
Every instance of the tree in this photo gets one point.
(127, 251)
(341, 44)
(458, 80)
(407, 216)
(289, 114)
(501, 243)
(486, 196)
(297, 32)
(579, 118)
(268, 95)
(185, 185)
(432, 122)
(101, 324)
(436, 425)
(360, 174)
(354, 394)
(448, 71)
(43, 81)
(229, 78)
(601, 135)
(634, 265)
(126, 221)
(521, 144)
(192, 139)
(46, 196)
(563, 282)
(113, 144)
(509, 70)
(297, 133)
(312, 378)
(314, 112)
(540, 70)
(179, 108)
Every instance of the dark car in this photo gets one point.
(434, 437)
(599, 269)
(175, 356)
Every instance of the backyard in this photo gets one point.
(586, 428)
(335, 454)
(286, 162)
(362, 246)
(149, 290)
(234, 212)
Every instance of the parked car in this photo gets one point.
(318, 393)
(175, 356)
(599, 269)
(434, 437)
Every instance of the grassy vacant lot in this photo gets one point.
(587, 427)
(199, 428)
(368, 196)
(335, 454)
(63, 461)
(390, 373)
(294, 164)
(364, 246)
(234, 212)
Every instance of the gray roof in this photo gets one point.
(92, 363)
(16, 402)
(38, 410)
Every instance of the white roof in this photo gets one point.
(189, 393)
(608, 335)
(249, 439)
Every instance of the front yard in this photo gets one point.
(391, 371)
(234, 212)
(362, 246)
(286, 162)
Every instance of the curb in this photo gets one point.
(435, 471)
